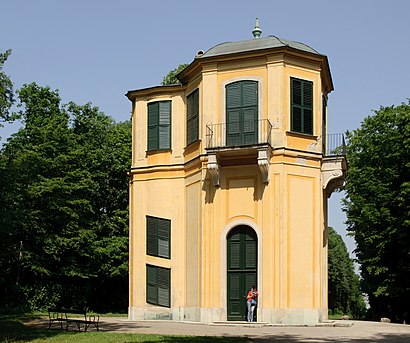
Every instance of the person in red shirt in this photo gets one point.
(251, 302)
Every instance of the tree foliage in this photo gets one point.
(344, 296)
(378, 207)
(63, 205)
(6, 89)
(171, 77)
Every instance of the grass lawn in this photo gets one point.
(13, 330)
(335, 316)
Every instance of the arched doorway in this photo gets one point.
(242, 257)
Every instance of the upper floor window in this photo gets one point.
(192, 117)
(158, 237)
(159, 125)
(242, 113)
(301, 93)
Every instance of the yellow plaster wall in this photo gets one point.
(157, 198)
(288, 211)
(193, 242)
(300, 223)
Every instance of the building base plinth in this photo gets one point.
(212, 315)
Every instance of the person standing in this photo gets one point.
(251, 302)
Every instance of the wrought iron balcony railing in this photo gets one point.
(334, 145)
(237, 134)
(257, 132)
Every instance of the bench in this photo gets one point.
(64, 317)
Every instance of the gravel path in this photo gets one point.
(340, 331)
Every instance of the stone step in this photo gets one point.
(327, 323)
(240, 323)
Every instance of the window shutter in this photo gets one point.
(233, 104)
(152, 296)
(158, 286)
(233, 95)
(242, 113)
(250, 125)
(233, 127)
(164, 277)
(249, 93)
(159, 125)
(152, 246)
(164, 125)
(193, 117)
(164, 233)
(250, 111)
(308, 105)
(301, 106)
(308, 121)
(158, 237)
(153, 116)
(307, 94)
(296, 92)
(297, 119)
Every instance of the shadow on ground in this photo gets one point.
(385, 338)
(12, 329)
(26, 329)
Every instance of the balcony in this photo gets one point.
(234, 143)
(238, 134)
(334, 163)
(250, 142)
(334, 145)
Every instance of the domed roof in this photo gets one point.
(255, 44)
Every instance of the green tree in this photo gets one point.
(378, 208)
(31, 187)
(171, 77)
(344, 296)
(6, 90)
(64, 204)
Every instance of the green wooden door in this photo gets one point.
(242, 113)
(242, 269)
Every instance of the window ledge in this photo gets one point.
(192, 144)
(159, 151)
(301, 135)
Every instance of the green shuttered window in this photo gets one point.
(159, 125)
(192, 117)
(301, 106)
(242, 113)
(158, 286)
(158, 237)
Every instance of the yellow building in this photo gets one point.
(229, 182)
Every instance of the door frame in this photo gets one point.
(224, 262)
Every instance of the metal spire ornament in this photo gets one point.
(256, 31)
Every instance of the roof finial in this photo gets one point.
(256, 31)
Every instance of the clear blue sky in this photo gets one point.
(95, 51)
